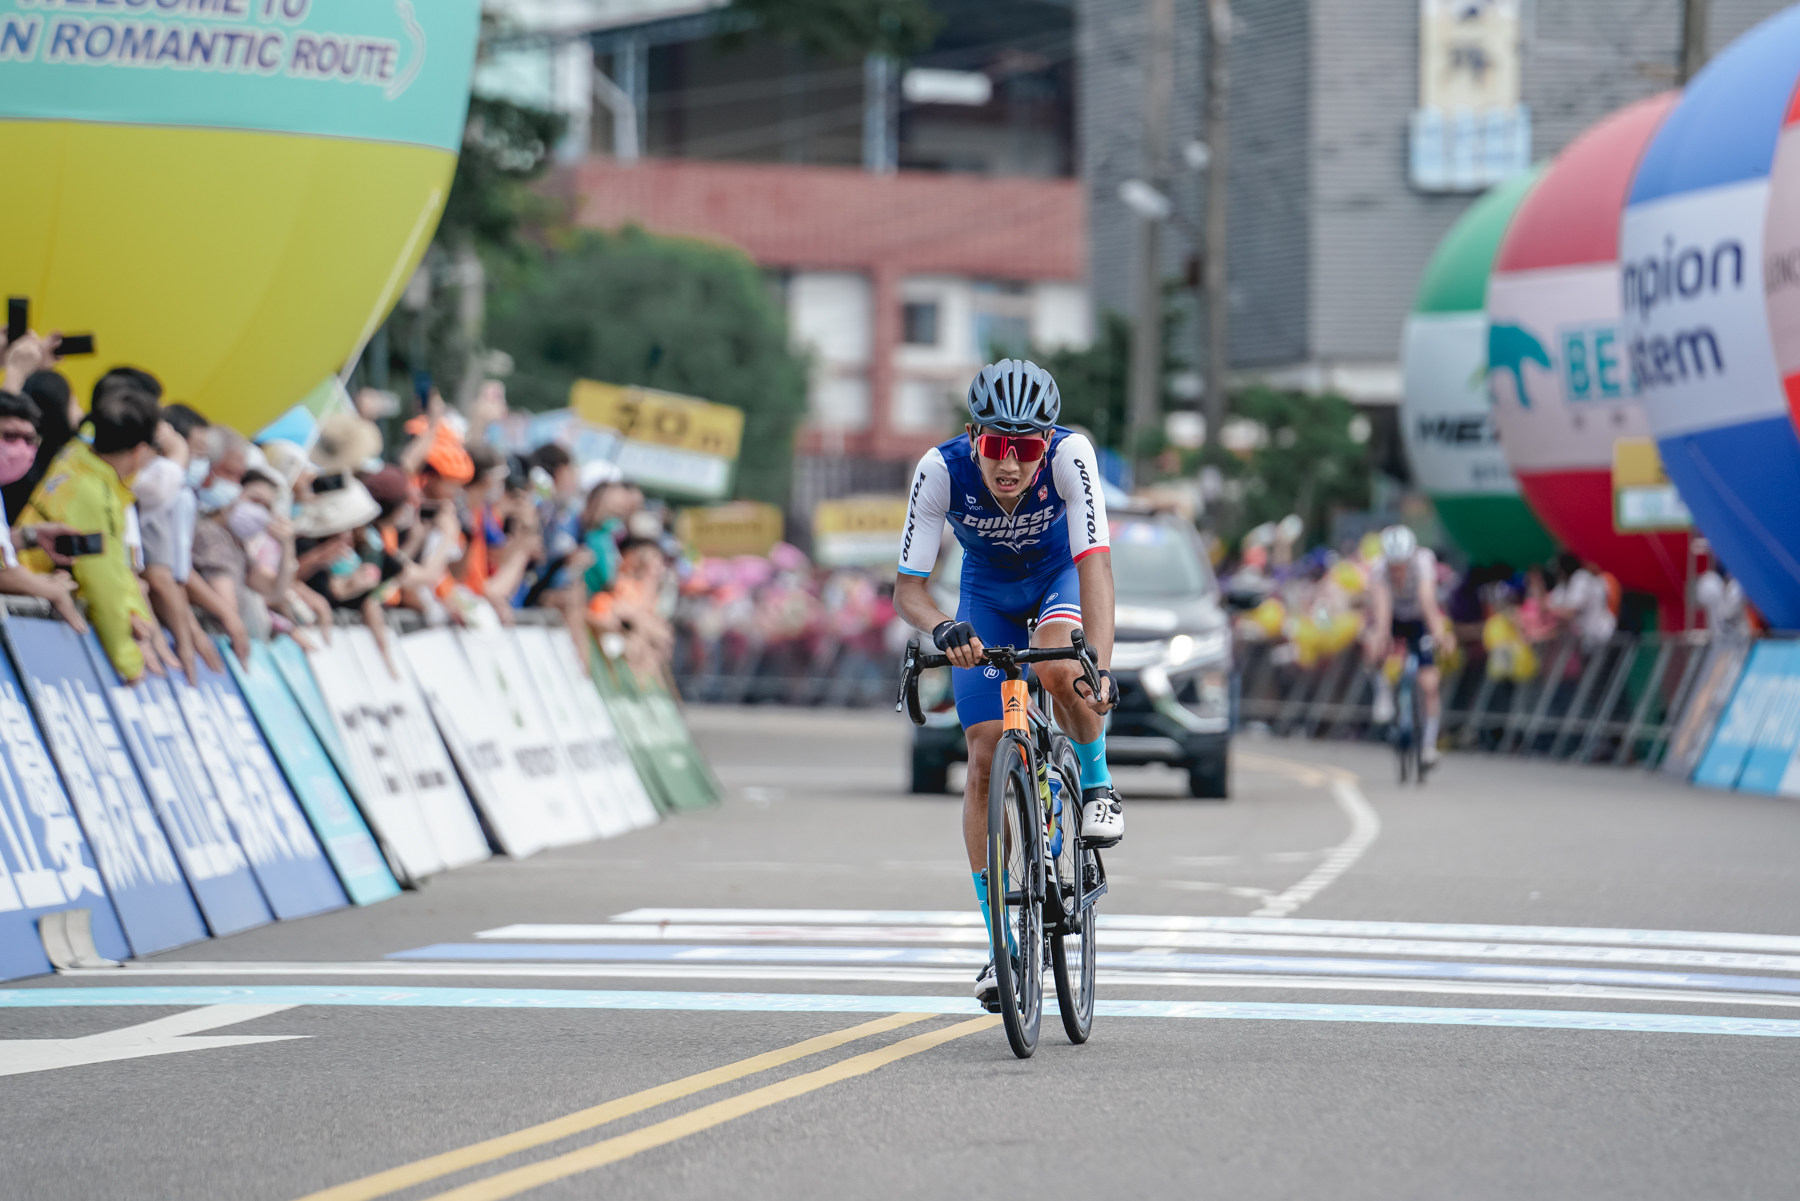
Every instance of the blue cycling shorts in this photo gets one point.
(999, 609)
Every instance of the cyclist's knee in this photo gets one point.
(982, 737)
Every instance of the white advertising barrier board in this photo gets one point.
(632, 799)
(466, 716)
(454, 827)
(382, 789)
(508, 697)
(599, 765)
(289, 863)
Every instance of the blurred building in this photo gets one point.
(898, 287)
(1360, 130)
(914, 222)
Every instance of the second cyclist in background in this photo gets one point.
(1405, 617)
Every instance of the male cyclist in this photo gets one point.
(1023, 496)
(1403, 592)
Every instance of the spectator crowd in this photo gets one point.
(156, 526)
(1312, 606)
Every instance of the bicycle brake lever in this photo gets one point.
(909, 664)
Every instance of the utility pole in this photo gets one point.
(1693, 38)
(1146, 333)
(880, 142)
(1218, 142)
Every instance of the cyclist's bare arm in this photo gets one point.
(1381, 612)
(1428, 604)
(913, 601)
(1095, 573)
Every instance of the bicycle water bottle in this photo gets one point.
(1053, 823)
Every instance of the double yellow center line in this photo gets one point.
(518, 1180)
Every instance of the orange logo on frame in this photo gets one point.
(1013, 693)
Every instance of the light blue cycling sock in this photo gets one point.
(1094, 772)
(987, 916)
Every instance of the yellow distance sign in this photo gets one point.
(1644, 498)
(859, 530)
(744, 527)
(665, 418)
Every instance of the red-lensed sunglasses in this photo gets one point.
(999, 446)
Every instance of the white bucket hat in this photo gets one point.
(336, 511)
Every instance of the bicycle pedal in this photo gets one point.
(1100, 844)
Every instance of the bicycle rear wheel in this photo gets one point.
(1015, 872)
(1072, 958)
(1406, 741)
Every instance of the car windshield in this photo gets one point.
(1153, 559)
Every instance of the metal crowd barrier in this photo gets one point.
(747, 670)
(1617, 702)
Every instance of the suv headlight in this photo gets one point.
(1185, 649)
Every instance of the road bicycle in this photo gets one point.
(1408, 730)
(1033, 839)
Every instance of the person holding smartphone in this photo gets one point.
(19, 417)
(88, 488)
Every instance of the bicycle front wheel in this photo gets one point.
(1072, 957)
(1015, 872)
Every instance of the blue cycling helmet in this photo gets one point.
(1014, 396)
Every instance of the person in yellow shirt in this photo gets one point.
(88, 488)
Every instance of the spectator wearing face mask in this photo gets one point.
(58, 415)
(19, 418)
(238, 553)
(328, 528)
(166, 515)
(89, 489)
(214, 478)
(609, 507)
(193, 429)
(228, 454)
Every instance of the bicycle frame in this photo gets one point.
(1025, 721)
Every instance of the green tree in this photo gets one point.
(673, 313)
(1093, 381)
(1309, 462)
(505, 147)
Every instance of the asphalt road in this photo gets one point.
(1589, 1013)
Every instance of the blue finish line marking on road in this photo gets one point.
(699, 1002)
(1117, 960)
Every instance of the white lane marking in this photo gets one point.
(1365, 828)
(1235, 890)
(956, 976)
(544, 998)
(164, 1036)
(1228, 860)
(1712, 940)
(1153, 939)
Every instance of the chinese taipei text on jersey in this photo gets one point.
(1016, 565)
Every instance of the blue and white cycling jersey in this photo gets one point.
(1060, 519)
(1017, 566)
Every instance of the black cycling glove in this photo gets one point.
(951, 634)
(1109, 687)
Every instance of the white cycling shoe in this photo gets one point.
(1384, 707)
(987, 988)
(1102, 816)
